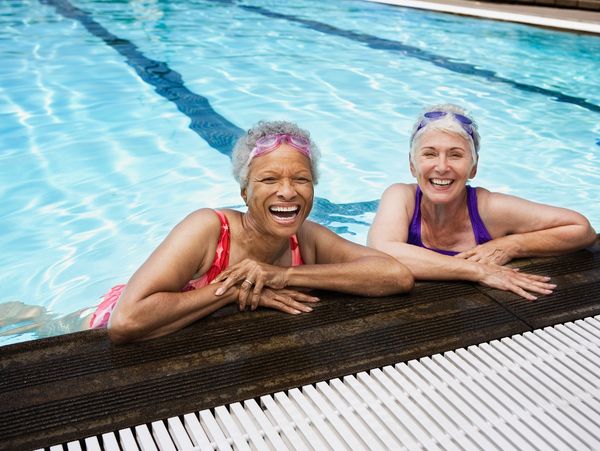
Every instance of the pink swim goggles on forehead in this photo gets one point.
(269, 143)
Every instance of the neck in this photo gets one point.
(259, 244)
(446, 213)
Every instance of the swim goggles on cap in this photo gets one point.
(269, 143)
(430, 116)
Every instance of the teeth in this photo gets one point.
(441, 181)
(283, 209)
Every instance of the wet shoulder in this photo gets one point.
(309, 235)
(204, 228)
(400, 196)
(401, 189)
(494, 210)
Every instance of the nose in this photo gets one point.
(286, 190)
(441, 163)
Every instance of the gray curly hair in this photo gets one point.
(245, 144)
(448, 124)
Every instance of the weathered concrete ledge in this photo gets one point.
(73, 386)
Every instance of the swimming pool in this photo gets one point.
(118, 118)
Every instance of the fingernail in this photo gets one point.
(308, 309)
(219, 291)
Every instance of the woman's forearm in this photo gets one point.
(367, 276)
(164, 312)
(429, 265)
(549, 242)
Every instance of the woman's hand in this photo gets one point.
(493, 252)
(286, 300)
(253, 277)
(510, 279)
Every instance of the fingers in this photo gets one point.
(526, 284)
(485, 254)
(250, 295)
(538, 278)
(303, 297)
(233, 275)
(283, 307)
(286, 300)
(288, 305)
(226, 285)
(258, 287)
(538, 287)
(511, 279)
(222, 276)
(465, 255)
(245, 292)
(474, 258)
(521, 292)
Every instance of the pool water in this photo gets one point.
(118, 118)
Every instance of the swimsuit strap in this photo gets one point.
(222, 253)
(221, 259)
(479, 229)
(414, 230)
(295, 247)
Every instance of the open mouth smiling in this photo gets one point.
(284, 214)
(441, 182)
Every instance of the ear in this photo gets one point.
(244, 195)
(473, 172)
(413, 171)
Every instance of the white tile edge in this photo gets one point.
(570, 25)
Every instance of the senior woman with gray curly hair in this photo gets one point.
(443, 229)
(262, 257)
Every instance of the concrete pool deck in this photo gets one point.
(74, 386)
(559, 18)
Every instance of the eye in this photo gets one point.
(302, 180)
(268, 180)
(456, 155)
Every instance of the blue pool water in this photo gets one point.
(118, 119)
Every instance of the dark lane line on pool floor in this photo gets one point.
(215, 129)
(377, 43)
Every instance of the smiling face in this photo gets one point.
(280, 190)
(442, 165)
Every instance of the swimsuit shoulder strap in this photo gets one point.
(414, 230)
(479, 229)
(295, 248)
(222, 253)
(221, 258)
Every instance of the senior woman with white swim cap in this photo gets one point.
(260, 257)
(443, 229)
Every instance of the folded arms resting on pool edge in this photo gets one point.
(272, 256)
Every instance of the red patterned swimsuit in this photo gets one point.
(220, 262)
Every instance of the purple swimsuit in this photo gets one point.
(479, 230)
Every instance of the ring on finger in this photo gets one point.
(248, 283)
